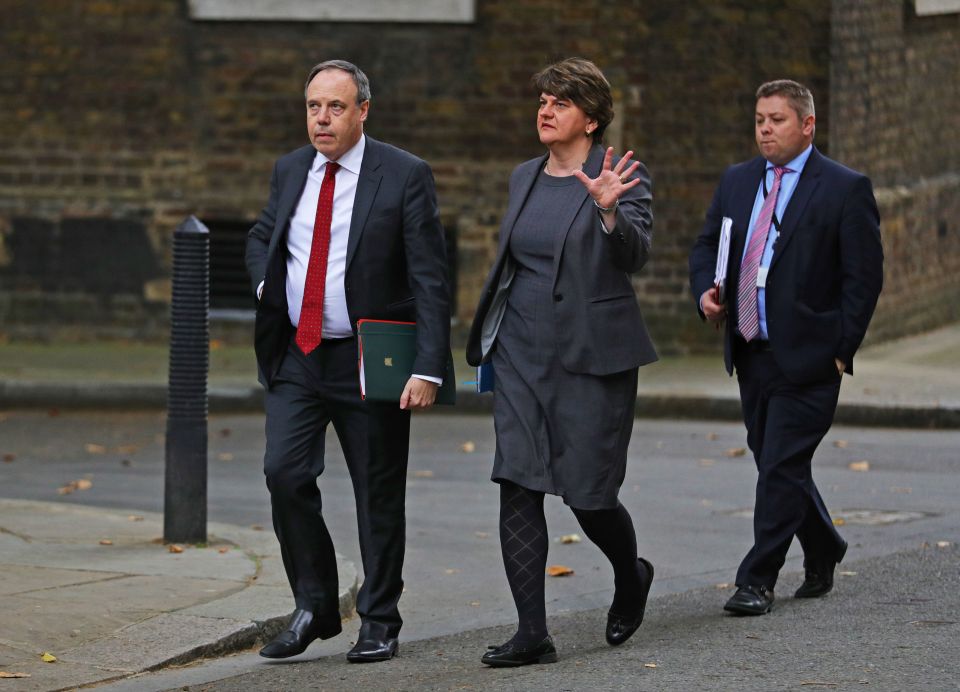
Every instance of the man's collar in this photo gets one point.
(350, 160)
(799, 162)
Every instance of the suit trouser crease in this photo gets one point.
(309, 393)
(785, 424)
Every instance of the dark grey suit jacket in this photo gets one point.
(827, 267)
(602, 330)
(396, 259)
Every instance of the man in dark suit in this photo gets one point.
(351, 231)
(805, 272)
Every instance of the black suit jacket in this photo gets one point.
(602, 330)
(827, 268)
(396, 259)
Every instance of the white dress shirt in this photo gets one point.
(336, 319)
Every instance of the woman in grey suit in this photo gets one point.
(559, 320)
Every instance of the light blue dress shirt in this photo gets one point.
(788, 183)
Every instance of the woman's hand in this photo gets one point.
(607, 187)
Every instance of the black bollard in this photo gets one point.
(185, 486)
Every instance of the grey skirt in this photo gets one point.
(558, 432)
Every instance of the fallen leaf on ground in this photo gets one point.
(559, 571)
(106, 541)
(706, 462)
(847, 573)
(256, 527)
(5, 674)
(225, 432)
(452, 570)
(474, 604)
(423, 473)
(47, 657)
(223, 550)
(128, 449)
(840, 444)
(839, 521)
(53, 413)
(713, 436)
(216, 344)
(944, 544)
(9, 457)
(225, 456)
(481, 534)
(862, 465)
(135, 517)
(468, 447)
(724, 585)
(92, 448)
(901, 491)
(571, 538)
(736, 452)
(649, 665)
(125, 462)
(174, 548)
(80, 484)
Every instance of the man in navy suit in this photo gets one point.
(351, 230)
(804, 275)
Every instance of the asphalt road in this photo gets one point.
(688, 491)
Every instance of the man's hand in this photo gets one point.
(418, 395)
(712, 308)
(841, 366)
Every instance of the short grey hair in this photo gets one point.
(798, 96)
(359, 78)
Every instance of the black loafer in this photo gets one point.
(510, 655)
(818, 576)
(303, 628)
(621, 627)
(374, 643)
(750, 600)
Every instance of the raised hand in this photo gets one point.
(613, 181)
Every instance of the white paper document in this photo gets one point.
(723, 256)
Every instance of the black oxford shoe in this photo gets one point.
(750, 600)
(818, 576)
(621, 627)
(304, 627)
(510, 655)
(373, 644)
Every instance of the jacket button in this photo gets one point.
(557, 297)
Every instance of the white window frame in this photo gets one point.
(401, 11)
(926, 8)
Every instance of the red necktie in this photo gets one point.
(748, 316)
(311, 310)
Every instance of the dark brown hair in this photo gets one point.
(797, 95)
(580, 81)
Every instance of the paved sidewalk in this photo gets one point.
(98, 590)
(913, 382)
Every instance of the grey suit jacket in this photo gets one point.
(396, 266)
(603, 329)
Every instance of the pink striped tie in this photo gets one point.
(748, 319)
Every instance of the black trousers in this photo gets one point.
(785, 424)
(309, 393)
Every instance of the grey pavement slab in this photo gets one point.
(100, 591)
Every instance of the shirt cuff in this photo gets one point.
(603, 226)
(260, 290)
(436, 380)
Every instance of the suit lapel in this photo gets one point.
(808, 183)
(368, 182)
(290, 194)
(578, 195)
(518, 198)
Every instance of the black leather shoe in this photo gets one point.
(621, 627)
(304, 627)
(373, 644)
(818, 576)
(510, 655)
(750, 600)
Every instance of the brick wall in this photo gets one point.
(121, 118)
